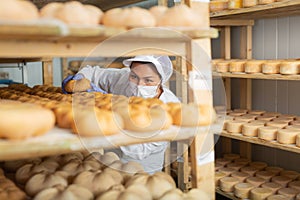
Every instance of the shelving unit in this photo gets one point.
(258, 76)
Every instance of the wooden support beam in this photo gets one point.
(231, 22)
(48, 72)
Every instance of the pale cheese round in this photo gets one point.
(282, 180)
(236, 114)
(258, 122)
(227, 184)
(222, 161)
(287, 136)
(296, 127)
(289, 173)
(251, 129)
(256, 112)
(249, 3)
(242, 190)
(277, 197)
(231, 156)
(275, 170)
(282, 119)
(268, 133)
(218, 176)
(222, 66)
(266, 175)
(273, 114)
(258, 165)
(242, 161)
(242, 176)
(255, 181)
(237, 66)
(249, 170)
(234, 126)
(265, 118)
(226, 170)
(294, 185)
(273, 186)
(244, 118)
(235, 166)
(288, 192)
(254, 66)
(289, 67)
(271, 67)
(278, 124)
(254, 116)
(260, 193)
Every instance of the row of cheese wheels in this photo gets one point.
(76, 13)
(87, 176)
(219, 5)
(268, 126)
(255, 180)
(285, 67)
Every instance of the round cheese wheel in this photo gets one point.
(268, 133)
(235, 166)
(234, 126)
(287, 136)
(226, 170)
(251, 129)
(277, 124)
(242, 176)
(218, 166)
(249, 3)
(218, 176)
(218, 5)
(288, 192)
(297, 127)
(139, 17)
(255, 181)
(244, 118)
(158, 11)
(222, 66)
(227, 184)
(258, 122)
(273, 186)
(289, 67)
(282, 180)
(242, 190)
(236, 114)
(289, 173)
(256, 112)
(260, 193)
(231, 156)
(258, 165)
(223, 161)
(254, 116)
(254, 66)
(298, 140)
(235, 4)
(266, 175)
(237, 66)
(271, 67)
(15, 10)
(275, 170)
(95, 14)
(294, 185)
(296, 122)
(242, 161)
(281, 119)
(287, 116)
(214, 63)
(49, 10)
(265, 118)
(249, 170)
(276, 197)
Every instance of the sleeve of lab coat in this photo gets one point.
(141, 151)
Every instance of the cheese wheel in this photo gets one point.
(296, 127)
(234, 4)
(226, 170)
(249, 170)
(15, 10)
(282, 180)
(296, 122)
(277, 124)
(242, 176)
(260, 193)
(222, 161)
(227, 184)
(271, 67)
(287, 136)
(218, 166)
(289, 67)
(281, 119)
(242, 161)
(265, 118)
(218, 176)
(237, 66)
(268, 133)
(256, 112)
(294, 185)
(273, 186)
(222, 66)
(276, 197)
(249, 3)
(242, 190)
(258, 165)
(254, 116)
(258, 122)
(218, 5)
(289, 173)
(298, 140)
(275, 170)
(234, 126)
(244, 119)
(287, 116)
(214, 63)
(251, 129)
(254, 66)
(266, 175)
(236, 114)
(288, 192)
(255, 181)
(235, 166)
(231, 156)
(158, 11)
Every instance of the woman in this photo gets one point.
(143, 76)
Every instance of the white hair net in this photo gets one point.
(163, 64)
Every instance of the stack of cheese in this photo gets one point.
(267, 126)
(284, 67)
(255, 180)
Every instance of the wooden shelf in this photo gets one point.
(276, 9)
(59, 141)
(258, 76)
(256, 140)
(225, 194)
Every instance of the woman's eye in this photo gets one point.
(133, 76)
(149, 81)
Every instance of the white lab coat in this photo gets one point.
(116, 81)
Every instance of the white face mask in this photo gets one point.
(143, 91)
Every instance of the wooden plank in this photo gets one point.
(227, 38)
(245, 150)
(47, 72)
(231, 22)
(256, 140)
(183, 166)
(276, 9)
(259, 76)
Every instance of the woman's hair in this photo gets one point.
(151, 65)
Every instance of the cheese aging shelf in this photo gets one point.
(258, 76)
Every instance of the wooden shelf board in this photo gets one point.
(256, 140)
(258, 76)
(58, 141)
(276, 9)
(225, 194)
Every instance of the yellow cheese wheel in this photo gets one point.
(255, 181)
(234, 126)
(287, 136)
(282, 180)
(234, 4)
(222, 66)
(226, 170)
(251, 129)
(294, 185)
(227, 184)
(214, 64)
(265, 118)
(260, 193)
(242, 161)
(266, 175)
(271, 67)
(249, 170)
(222, 161)
(268, 133)
(277, 197)
(275, 170)
(298, 140)
(273, 186)
(218, 176)
(218, 5)
(242, 190)
(237, 66)
(242, 176)
(258, 165)
(289, 173)
(235, 166)
(254, 66)
(256, 112)
(231, 156)
(288, 192)
(289, 67)
(249, 3)
(277, 124)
